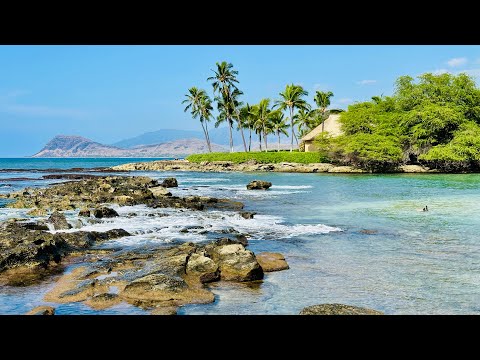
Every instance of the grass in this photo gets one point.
(261, 157)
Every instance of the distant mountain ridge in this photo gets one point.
(78, 146)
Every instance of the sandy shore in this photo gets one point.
(252, 166)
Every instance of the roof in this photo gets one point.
(331, 125)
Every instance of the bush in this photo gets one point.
(261, 157)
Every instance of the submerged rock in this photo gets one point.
(42, 310)
(104, 212)
(170, 182)
(258, 185)
(247, 214)
(337, 309)
(272, 261)
(84, 213)
(59, 221)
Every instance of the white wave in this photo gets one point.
(291, 187)
(160, 229)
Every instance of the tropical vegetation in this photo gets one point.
(261, 157)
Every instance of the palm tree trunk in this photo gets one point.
(278, 133)
(208, 138)
(291, 125)
(243, 137)
(231, 137)
(296, 139)
(260, 140)
(323, 119)
(265, 139)
(250, 140)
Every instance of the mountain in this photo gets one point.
(218, 136)
(158, 137)
(77, 146)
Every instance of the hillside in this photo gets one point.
(77, 146)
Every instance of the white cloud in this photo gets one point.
(439, 71)
(455, 62)
(344, 101)
(366, 82)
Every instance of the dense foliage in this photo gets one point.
(434, 121)
(261, 157)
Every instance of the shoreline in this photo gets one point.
(254, 166)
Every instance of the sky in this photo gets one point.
(110, 93)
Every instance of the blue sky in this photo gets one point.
(108, 93)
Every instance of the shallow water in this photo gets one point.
(415, 263)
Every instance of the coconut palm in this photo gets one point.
(199, 105)
(224, 82)
(322, 99)
(278, 125)
(262, 114)
(247, 121)
(292, 98)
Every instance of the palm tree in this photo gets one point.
(262, 114)
(291, 98)
(322, 99)
(226, 112)
(303, 121)
(278, 125)
(199, 105)
(247, 121)
(224, 82)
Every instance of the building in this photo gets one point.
(331, 124)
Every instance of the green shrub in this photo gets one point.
(261, 157)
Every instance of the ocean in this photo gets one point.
(357, 239)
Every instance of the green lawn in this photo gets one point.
(261, 157)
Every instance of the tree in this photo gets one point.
(278, 125)
(199, 105)
(263, 114)
(224, 83)
(247, 121)
(322, 99)
(292, 98)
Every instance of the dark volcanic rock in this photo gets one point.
(59, 221)
(170, 182)
(337, 309)
(104, 212)
(42, 310)
(258, 185)
(84, 213)
(247, 214)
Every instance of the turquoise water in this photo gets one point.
(415, 263)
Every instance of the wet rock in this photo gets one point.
(59, 221)
(247, 214)
(203, 267)
(42, 310)
(170, 182)
(160, 191)
(84, 213)
(124, 200)
(37, 212)
(368, 232)
(258, 185)
(103, 301)
(167, 310)
(337, 309)
(272, 261)
(236, 263)
(34, 226)
(104, 212)
(242, 239)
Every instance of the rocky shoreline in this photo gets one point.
(156, 279)
(254, 166)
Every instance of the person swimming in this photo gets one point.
(425, 208)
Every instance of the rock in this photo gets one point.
(84, 213)
(37, 212)
(42, 310)
(167, 310)
(369, 232)
(242, 239)
(258, 185)
(124, 200)
(104, 212)
(170, 182)
(203, 267)
(272, 261)
(160, 191)
(34, 226)
(103, 301)
(247, 214)
(337, 309)
(59, 221)
(236, 263)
